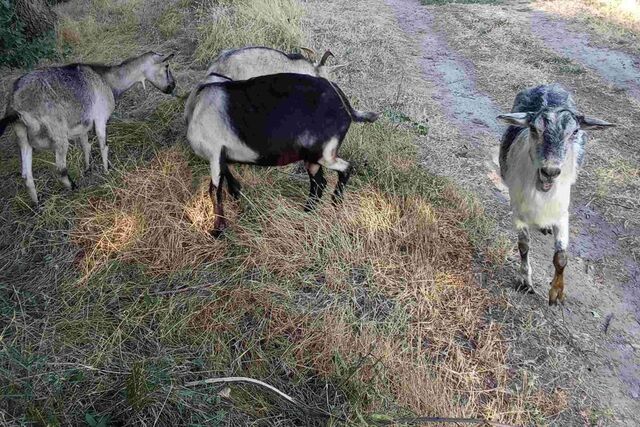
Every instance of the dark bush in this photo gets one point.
(27, 32)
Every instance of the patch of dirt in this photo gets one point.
(591, 345)
(619, 68)
(452, 74)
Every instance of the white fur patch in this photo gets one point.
(208, 131)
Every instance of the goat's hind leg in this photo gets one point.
(343, 179)
(561, 234)
(61, 146)
(26, 154)
(317, 184)
(524, 241)
(344, 170)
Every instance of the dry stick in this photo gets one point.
(244, 380)
(431, 420)
(304, 408)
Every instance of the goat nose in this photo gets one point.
(551, 172)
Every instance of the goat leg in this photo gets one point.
(317, 184)
(524, 239)
(556, 293)
(561, 234)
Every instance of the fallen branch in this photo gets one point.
(432, 420)
(245, 380)
(382, 422)
(301, 406)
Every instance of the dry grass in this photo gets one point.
(616, 20)
(397, 254)
(153, 218)
(274, 23)
(109, 33)
(620, 173)
(364, 309)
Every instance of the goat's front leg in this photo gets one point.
(215, 186)
(26, 154)
(524, 240)
(233, 185)
(561, 234)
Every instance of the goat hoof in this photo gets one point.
(522, 285)
(216, 232)
(218, 229)
(555, 296)
(336, 200)
(546, 230)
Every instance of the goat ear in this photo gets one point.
(310, 53)
(516, 119)
(591, 123)
(168, 57)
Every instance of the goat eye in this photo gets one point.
(575, 132)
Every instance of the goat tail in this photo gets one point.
(356, 115)
(364, 116)
(7, 120)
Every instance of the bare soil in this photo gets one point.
(591, 345)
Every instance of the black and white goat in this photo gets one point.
(51, 105)
(271, 120)
(540, 156)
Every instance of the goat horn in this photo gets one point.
(326, 56)
(311, 52)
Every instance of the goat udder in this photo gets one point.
(287, 157)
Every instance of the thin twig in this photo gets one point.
(246, 380)
(185, 289)
(305, 408)
(163, 405)
(301, 406)
(431, 420)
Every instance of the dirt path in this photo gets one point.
(619, 68)
(593, 347)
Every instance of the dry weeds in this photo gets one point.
(446, 358)
(153, 218)
(373, 302)
(617, 21)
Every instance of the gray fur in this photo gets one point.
(51, 105)
(253, 61)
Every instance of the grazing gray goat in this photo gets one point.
(51, 105)
(540, 155)
(271, 120)
(254, 61)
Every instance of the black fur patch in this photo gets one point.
(286, 114)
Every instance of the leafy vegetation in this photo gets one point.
(17, 48)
